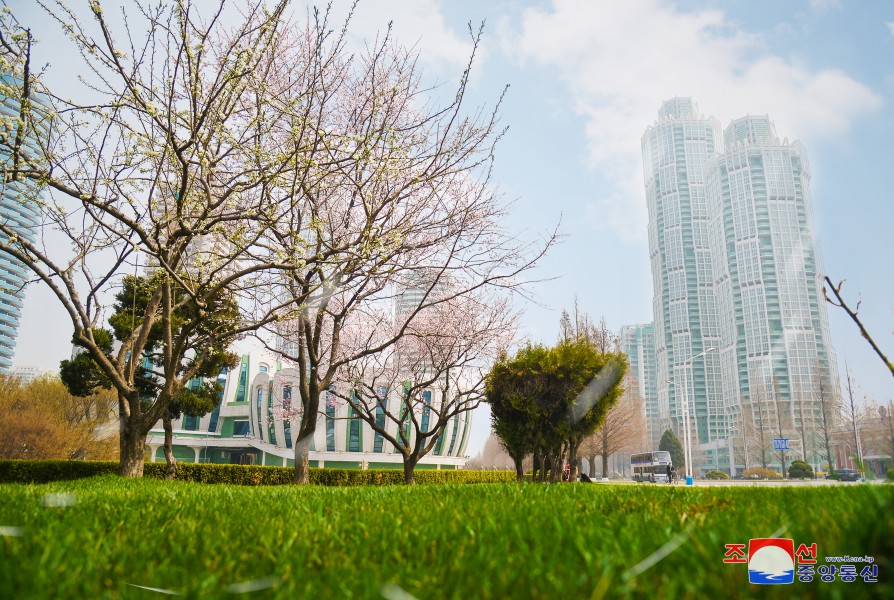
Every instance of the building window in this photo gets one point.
(215, 417)
(287, 432)
(190, 423)
(263, 368)
(215, 414)
(243, 380)
(259, 403)
(381, 407)
(330, 422)
(426, 410)
(453, 436)
(354, 435)
(286, 397)
(240, 428)
(404, 416)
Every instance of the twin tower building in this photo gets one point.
(740, 325)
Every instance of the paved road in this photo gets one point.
(761, 483)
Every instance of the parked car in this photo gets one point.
(847, 475)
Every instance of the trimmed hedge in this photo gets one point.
(44, 471)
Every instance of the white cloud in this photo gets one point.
(620, 60)
(890, 25)
(418, 24)
(825, 5)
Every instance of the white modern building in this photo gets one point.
(26, 375)
(248, 426)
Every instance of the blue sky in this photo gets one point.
(587, 77)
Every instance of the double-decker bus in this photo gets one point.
(651, 466)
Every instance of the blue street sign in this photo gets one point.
(780, 443)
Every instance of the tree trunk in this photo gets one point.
(519, 469)
(555, 468)
(409, 471)
(538, 465)
(572, 460)
(302, 460)
(592, 460)
(171, 469)
(605, 465)
(131, 445)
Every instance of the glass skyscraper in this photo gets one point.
(675, 151)
(638, 343)
(775, 351)
(19, 207)
(736, 276)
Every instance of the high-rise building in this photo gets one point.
(19, 207)
(675, 150)
(775, 351)
(638, 343)
(740, 326)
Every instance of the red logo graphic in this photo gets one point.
(771, 560)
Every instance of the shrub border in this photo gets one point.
(45, 471)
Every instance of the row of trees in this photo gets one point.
(815, 423)
(272, 181)
(545, 401)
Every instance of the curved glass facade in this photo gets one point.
(254, 424)
(739, 314)
(19, 205)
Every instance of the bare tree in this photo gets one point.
(759, 425)
(888, 423)
(802, 428)
(400, 212)
(177, 149)
(852, 416)
(431, 377)
(827, 410)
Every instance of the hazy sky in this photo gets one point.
(587, 77)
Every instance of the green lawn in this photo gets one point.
(102, 537)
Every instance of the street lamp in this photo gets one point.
(687, 444)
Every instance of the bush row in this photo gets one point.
(44, 471)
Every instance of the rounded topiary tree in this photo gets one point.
(716, 475)
(800, 470)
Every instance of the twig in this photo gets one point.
(853, 315)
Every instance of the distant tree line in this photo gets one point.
(41, 419)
